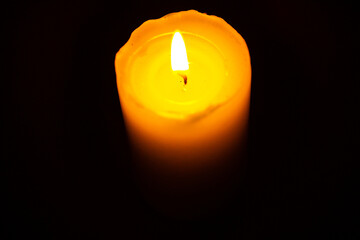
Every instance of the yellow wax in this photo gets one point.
(160, 89)
(173, 122)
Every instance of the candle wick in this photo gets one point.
(184, 77)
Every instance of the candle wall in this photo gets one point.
(185, 142)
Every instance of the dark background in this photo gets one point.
(67, 167)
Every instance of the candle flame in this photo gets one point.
(179, 61)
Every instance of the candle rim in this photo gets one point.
(128, 48)
(137, 32)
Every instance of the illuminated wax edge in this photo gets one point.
(160, 27)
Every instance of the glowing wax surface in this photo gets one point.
(167, 119)
(157, 87)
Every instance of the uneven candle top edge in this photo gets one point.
(137, 34)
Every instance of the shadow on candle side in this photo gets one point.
(193, 180)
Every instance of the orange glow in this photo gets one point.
(169, 119)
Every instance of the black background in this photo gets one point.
(67, 167)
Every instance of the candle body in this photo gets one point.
(191, 141)
(197, 126)
(188, 139)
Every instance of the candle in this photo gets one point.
(184, 86)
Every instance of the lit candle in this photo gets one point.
(184, 86)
